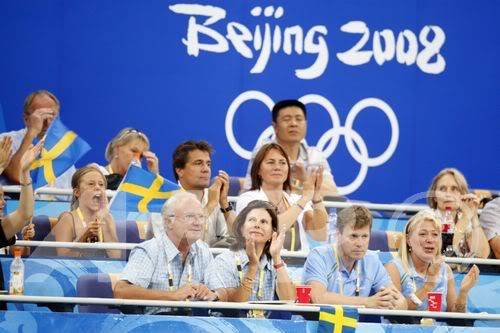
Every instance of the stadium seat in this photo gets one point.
(43, 227)
(96, 285)
(378, 241)
(136, 231)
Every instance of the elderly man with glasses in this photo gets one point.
(171, 266)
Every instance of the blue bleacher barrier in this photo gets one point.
(58, 277)
(95, 322)
(42, 207)
(95, 285)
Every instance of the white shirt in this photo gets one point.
(305, 152)
(490, 219)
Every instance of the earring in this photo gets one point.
(116, 156)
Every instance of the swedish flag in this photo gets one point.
(337, 319)
(61, 150)
(142, 191)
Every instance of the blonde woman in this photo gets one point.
(89, 220)
(420, 268)
(449, 194)
(128, 146)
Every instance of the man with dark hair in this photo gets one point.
(40, 108)
(192, 167)
(289, 120)
(346, 272)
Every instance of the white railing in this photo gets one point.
(291, 307)
(334, 204)
(284, 253)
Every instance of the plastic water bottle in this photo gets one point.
(448, 223)
(16, 283)
(332, 226)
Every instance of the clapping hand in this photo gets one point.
(152, 162)
(5, 152)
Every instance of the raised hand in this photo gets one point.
(469, 204)
(5, 152)
(317, 184)
(224, 189)
(470, 279)
(277, 241)
(213, 195)
(251, 252)
(30, 155)
(28, 231)
(309, 186)
(298, 171)
(152, 162)
(35, 121)
(434, 269)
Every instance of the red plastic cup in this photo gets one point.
(434, 301)
(303, 294)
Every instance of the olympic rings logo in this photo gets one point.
(329, 140)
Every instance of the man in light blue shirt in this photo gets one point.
(170, 267)
(346, 272)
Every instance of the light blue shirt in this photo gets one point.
(411, 276)
(147, 266)
(321, 266)
(223, 273)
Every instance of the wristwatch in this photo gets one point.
(227, 209)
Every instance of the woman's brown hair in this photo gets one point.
(259, 158)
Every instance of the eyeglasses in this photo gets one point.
(192, 218)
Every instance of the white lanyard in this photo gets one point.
(341, 279)
(170, 275)
(413, 296)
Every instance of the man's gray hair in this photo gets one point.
(169, 206)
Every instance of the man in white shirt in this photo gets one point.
(40, 108)
(289, 120)
(192, 167)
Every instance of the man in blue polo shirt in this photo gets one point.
(346, 272)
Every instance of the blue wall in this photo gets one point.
(123, 63)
